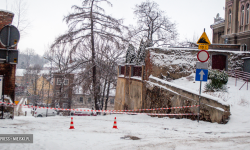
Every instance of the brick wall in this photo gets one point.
(9, 70)
(5, 18)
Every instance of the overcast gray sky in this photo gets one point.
(46, 17)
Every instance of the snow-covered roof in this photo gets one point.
(218, 22)
(44, 72)
(7, 11)
(20, 72)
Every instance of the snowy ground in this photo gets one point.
(95, 132)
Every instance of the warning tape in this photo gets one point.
(110, 111)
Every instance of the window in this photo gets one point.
(57, 93)
(65, 95)
(66, 81)
(89, 100)
(229, 16)
(122, 70)
(112, 101)
(247, 14)
(57, 105)
(242, 15)
(65, 105)
(59, 81)
(81, 99)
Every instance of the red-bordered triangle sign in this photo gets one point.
(204, 39)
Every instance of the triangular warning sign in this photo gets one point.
(204, 39)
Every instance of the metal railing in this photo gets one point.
(245, 76)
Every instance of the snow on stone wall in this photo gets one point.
(174, 63)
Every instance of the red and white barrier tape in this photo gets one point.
(111, 111)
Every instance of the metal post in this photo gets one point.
(236, 81)
(2, 96)
(8, 44)
(199, 103)
(247, 84)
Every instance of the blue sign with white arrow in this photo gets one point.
(201, 75)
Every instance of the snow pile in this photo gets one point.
(188, 89)
(233, 96)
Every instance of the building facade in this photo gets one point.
(62, 89)
(235, 28)
(9, 70)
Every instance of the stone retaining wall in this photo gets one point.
(160, 94)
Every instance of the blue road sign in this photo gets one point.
(201, 75)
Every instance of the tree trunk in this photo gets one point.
(103, 95)
(107, 96)
(93, 57)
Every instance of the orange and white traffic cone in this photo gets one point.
(71, 124)
(115, 126)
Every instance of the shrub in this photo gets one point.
(218, 80)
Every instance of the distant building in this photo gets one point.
(232, 33)
(62, 89)
(83, 100)
(44, 89)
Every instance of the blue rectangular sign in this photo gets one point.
(201, 75)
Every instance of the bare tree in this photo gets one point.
(6, 5)
(87, 23)
(29, 53)
(60, 60)
(31, 77)
(108, 57)
(153, 25)
(21, 21)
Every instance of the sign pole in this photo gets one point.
(199, 103)
(2, 95)
(202, 72)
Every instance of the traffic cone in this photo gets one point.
(71, 124)
(115, 126)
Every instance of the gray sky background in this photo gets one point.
(46, 17)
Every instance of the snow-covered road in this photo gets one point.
(95, 132)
